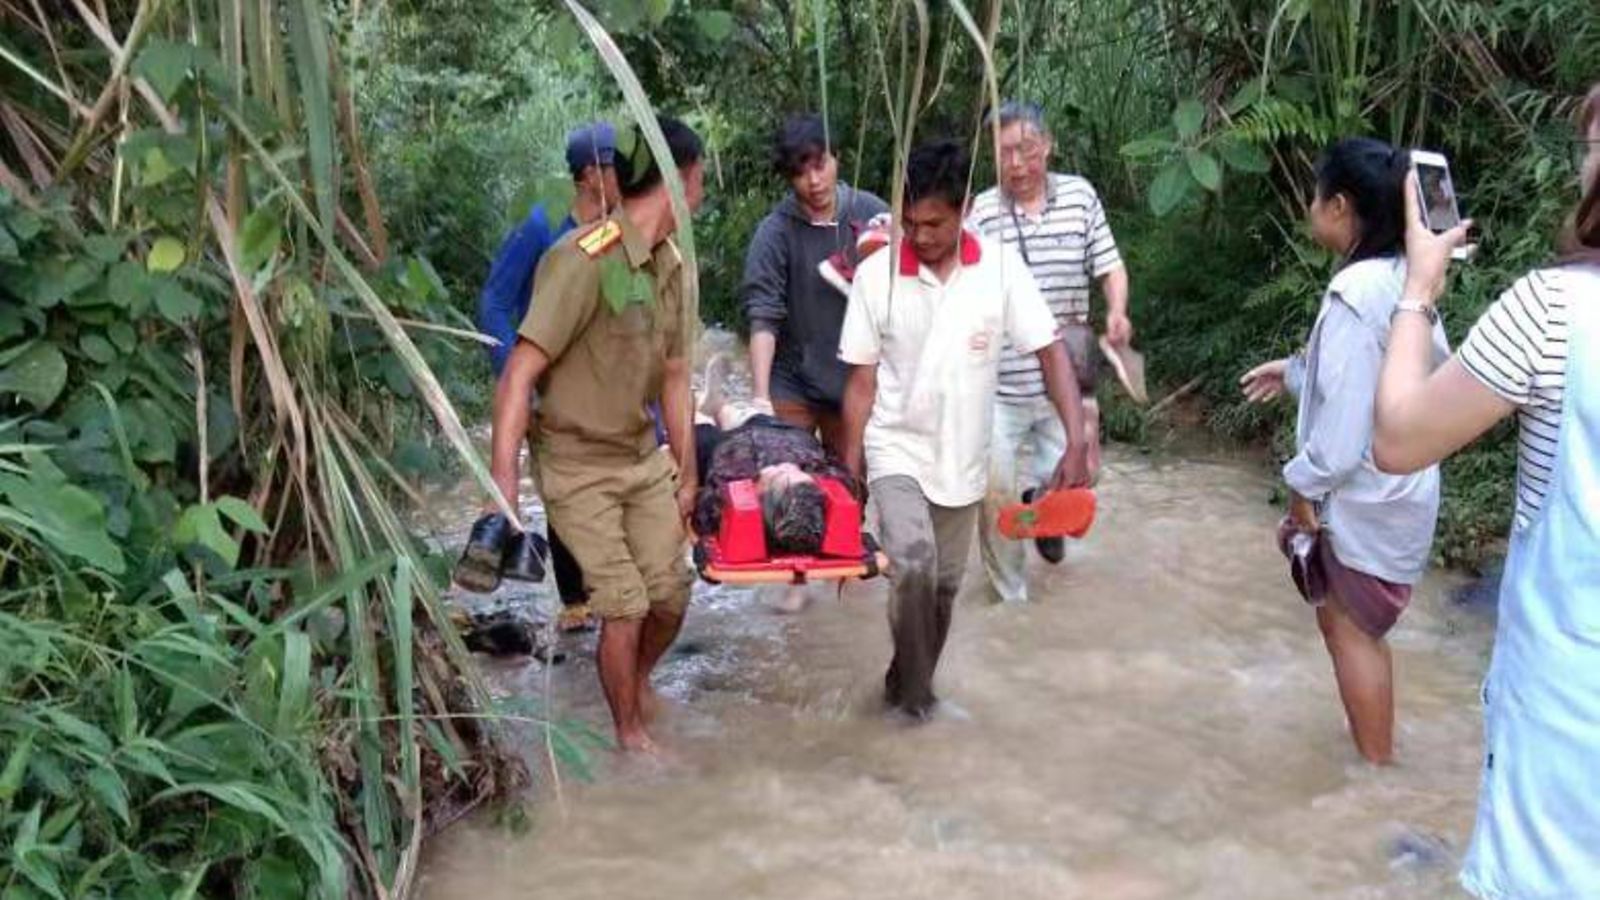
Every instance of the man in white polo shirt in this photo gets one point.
(922, 334)
(1057, 225)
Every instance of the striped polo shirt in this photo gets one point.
(1067, 247)
(1518, 349)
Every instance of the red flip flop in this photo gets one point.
(1066, 513)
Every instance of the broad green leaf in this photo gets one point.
(259, 237)
(200, 524)
(1205, 169)
(154, 167)
(163, 63)
(175, 304)
(1188, 119)
(37, 375)
(658, 10)
(8, 245)
(1244, 156)
(97, 348)
(242, 514)
(68, 518)
(1170, 188)
(275, 876)
(715, 24)
(1148, 147)
(155, 441)
(166, 255)
(123, 336)
(106, 248)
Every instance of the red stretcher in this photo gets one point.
(737, 553)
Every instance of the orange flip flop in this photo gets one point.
(1065, 513)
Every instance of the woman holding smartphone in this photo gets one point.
(1535, 353)
(1362, 537)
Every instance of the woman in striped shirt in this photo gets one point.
(1536, 353)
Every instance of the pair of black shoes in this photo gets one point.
(496, 550)
(1053, 549)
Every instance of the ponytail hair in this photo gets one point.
(1372, 174)
(1581, 240)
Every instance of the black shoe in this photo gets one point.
(1053, 549)
(478, 570)
(524, 557)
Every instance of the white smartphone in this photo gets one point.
(1437, 196)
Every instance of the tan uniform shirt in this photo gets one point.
(607, 311)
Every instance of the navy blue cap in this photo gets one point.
(590, 143)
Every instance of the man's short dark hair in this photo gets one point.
(798, 141)
(637, 172)
(795, 518)
(938, 170)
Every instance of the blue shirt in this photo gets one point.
(504, 301)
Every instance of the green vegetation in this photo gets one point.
(238, 240)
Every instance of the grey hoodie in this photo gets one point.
(784, 293)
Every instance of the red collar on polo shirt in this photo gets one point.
(971, 252)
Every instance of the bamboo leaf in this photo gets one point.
(295, 693)
(16, 767)
(108, 787)
(400, 626)
(309, 38)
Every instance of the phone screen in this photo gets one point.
(1438, 197)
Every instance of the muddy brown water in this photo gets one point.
(1160, 723)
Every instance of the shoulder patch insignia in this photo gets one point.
(602, 238)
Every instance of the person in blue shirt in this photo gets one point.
(591, 152)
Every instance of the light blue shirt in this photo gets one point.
(1376, 523)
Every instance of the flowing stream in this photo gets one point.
(1160, 723)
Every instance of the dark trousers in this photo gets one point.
(927, 546)
(569, 578)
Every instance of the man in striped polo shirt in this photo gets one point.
(1058, 227)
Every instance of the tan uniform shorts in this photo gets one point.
(620, 520)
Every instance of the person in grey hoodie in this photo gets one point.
(794, 311)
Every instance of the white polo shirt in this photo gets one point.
(937, 348)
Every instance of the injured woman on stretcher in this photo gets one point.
(743, 441)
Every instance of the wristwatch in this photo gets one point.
(1417, 306)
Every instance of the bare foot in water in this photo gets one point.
(636, 741)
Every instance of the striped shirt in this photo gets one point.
(1067, 247)
(1519, 351)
